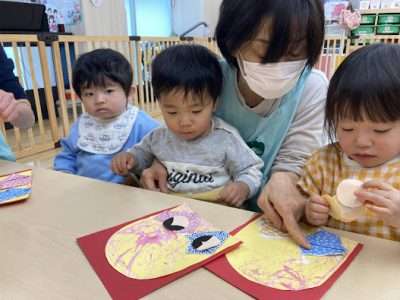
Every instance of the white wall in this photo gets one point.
(187, 13)
(153, 17)
(210, 13)
(108, 19)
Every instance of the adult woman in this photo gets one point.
(14, 107)
(271, 95)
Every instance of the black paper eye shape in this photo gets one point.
(176, 223)
(206, 242)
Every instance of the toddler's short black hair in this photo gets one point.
(95, 67)
(192, 68)
(365, 86)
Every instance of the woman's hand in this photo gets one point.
(17, 112)
(235, 193)
(155, 178)
(283, 205)
(317, 211)
(382, 199)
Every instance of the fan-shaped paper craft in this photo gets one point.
(281, 264)
(164, 244)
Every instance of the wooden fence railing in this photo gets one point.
(44, 64)
(29, 51)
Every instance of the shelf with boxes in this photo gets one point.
(378, 22)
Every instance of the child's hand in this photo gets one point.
(122, 163)
(235, 193)
(382, 199)
(317, 211)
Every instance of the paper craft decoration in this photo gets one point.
(164, 244)
(211, 196)
(15, 187)
(324, 243)
(268, 265)
(345, 206)
(345, 192)
(136, 258)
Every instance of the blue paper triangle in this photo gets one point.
(324, 243)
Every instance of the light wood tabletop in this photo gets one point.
(40, 259)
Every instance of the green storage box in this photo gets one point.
(368, 19)
(389, 19)
(363, 30)
(388, 29)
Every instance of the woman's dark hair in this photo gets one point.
(94, 68)
(291, 20)
(366, 86)
(192, 68)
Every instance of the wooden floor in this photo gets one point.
(44, 159)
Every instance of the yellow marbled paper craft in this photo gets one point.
(268, 257)
(165, 243)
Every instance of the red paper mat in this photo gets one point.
(118, 285)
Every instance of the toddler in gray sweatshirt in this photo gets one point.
(201, 153)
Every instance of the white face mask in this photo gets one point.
(273, 80)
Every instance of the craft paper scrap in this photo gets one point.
(15, 187)
(272, 259)
(165, 243)
(15, 180)
(324, 243)
(13, 193)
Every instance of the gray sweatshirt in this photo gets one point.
(204, 164)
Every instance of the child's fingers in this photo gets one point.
(130, 162)
(372, 197)
(378, 209)
(232, 198)
(317, 211)
(319, 222)
(317, 199)
(378, 184)
(223, 194)
(124, 166)
(121, 165)
(319, 208)
(162, 181)
(238, 201)
(148, 180)
(114, 165)
(383, 213)
(155, 178)
(317, 218)
(227, 195)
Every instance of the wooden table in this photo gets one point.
(40, 259)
